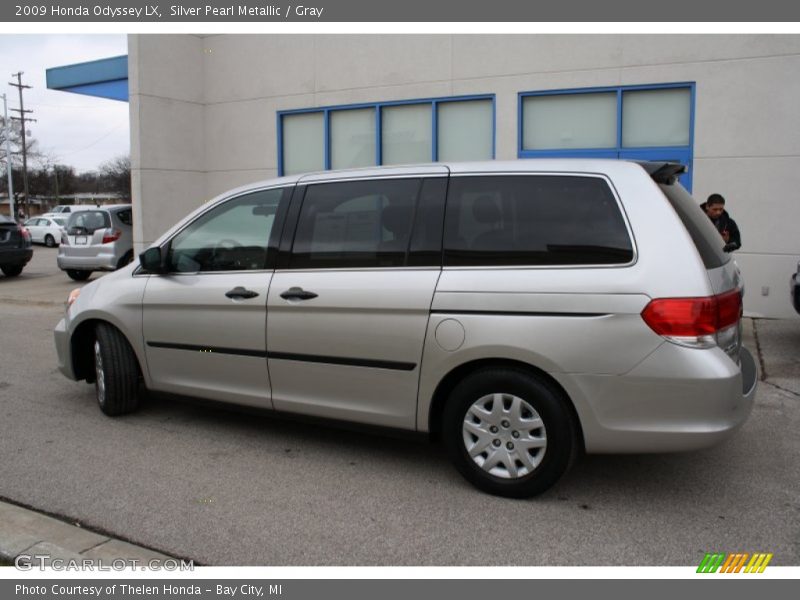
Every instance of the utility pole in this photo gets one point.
(23, 119)
(8, 160)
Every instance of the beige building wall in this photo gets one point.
(203, 112)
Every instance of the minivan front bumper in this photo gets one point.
(678, 399)
(64, 349)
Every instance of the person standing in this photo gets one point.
(727, 227)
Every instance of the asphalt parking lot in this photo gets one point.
(227, 488)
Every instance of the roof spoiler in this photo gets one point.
(663, 172)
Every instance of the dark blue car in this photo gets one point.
(15, 247)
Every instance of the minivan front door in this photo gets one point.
(205, 321)
(348, 312)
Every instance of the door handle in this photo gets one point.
(297, 293)
(240, 292)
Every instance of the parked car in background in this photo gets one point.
(537, 317)
(15, 247)
(67, 209)
(46, 229)
(99, 239)
(795, 287)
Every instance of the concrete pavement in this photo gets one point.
(24, 531)
(41, 282)
(225, 488)
(38, 537)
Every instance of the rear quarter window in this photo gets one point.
(705, 236)
(535, 220)
(125, 216)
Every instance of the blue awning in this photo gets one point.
(105, 78)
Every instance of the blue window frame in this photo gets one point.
(683, 153)
(378, 107)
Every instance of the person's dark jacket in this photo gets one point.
(725, 223)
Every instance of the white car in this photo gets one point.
(46, 229)
(66, 209)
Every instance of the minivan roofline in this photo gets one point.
(525, 165)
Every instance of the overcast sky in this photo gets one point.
(77, 130)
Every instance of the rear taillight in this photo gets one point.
(694, 322)
(111, 235)
(64, 238)
(26, 235)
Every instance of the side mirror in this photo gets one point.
(152, 261)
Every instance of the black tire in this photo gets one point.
(11, 271)
(116, 372)
(126, 259)
(78, 275)
(543, 467)
(49, 241)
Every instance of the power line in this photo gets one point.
(97, 141)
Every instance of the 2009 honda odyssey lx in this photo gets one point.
(523, 311)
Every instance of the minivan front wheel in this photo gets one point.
(508, 432)
(116, 372)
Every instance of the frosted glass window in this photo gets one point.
(569, 121)
(656, 118)
(406, 134)
(352, 138)
(465, 130)
(303, 143)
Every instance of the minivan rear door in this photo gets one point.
(349, 303)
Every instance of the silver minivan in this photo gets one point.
(522, 312)
(96, 239)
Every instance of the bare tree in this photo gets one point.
(15, 139)
(116, 176)
(16, 143)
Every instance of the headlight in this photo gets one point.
(73, 295)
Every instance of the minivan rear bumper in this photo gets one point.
(678, 399)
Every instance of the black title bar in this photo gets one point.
(460, 11)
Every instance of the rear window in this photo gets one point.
(534, 220)
(706, 238)
(90, 220)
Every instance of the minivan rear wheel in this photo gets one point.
(116, 372)
(509, 432)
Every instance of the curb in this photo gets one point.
(42, 539)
